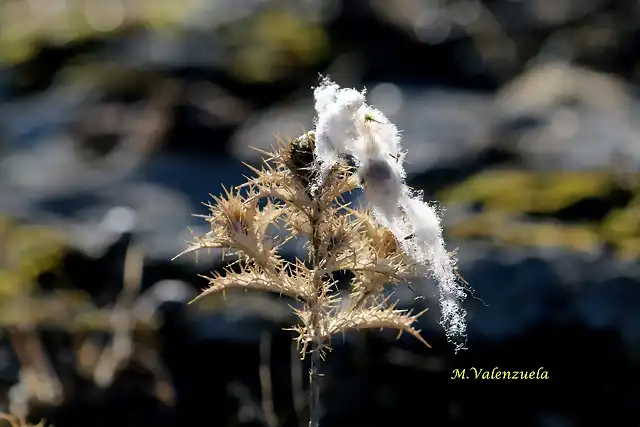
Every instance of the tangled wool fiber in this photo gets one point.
(346, 125)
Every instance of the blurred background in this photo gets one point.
(118, 117)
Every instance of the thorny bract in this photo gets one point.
(300, 186)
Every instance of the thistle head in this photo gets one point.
(298, 157)
(303, 182)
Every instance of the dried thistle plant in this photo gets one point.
(301, 186)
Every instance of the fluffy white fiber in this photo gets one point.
(345, 124)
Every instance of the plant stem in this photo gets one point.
(314, 387)
(316, 345)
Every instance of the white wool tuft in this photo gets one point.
(345, 124)
(335, 124)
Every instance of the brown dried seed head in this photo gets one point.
(299, 158)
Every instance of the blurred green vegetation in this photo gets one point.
(271, 42)
(518, 191)
(27, 25)
(508, 196)
(261, 46)
(27, 252)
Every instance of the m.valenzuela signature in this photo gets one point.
(499, 374)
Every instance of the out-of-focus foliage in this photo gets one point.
(270, 42)
(27, 251)
(519, 191)
(507, 197)
(259, 47)
(26, 24)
